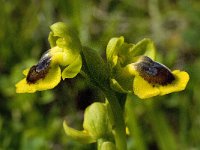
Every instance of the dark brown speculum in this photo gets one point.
(34, 76)
(154, 72)
(39, 71)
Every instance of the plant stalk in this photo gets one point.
(118, 119)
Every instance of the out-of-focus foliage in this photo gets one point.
(34, 121)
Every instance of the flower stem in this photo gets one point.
(118, 119)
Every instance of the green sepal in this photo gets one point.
(118, 52)
(144, 47)
(122, 53)
(112, 50)
(95, 67)
(80, 136)
(73, 69)
(63, 36)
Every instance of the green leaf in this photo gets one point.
(95, 67)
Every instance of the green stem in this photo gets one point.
(118, 120)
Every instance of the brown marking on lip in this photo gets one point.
(40, 70)
(154, 72)
(33, 75)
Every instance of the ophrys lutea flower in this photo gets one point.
(133, 70)
(46, 74)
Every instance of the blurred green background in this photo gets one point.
(34, 121)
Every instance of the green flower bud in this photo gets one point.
(96, 121)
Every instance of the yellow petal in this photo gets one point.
(52, 78)
(23, 87)
(25, 72)
(143, 89)
(179, 84)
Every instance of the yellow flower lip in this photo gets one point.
(153, 72)
(153, 79)
(144, 90)
(51, 79)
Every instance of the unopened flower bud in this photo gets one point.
(96, 121)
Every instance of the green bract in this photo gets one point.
(95, 67)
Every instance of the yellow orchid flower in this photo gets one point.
(46, 74)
